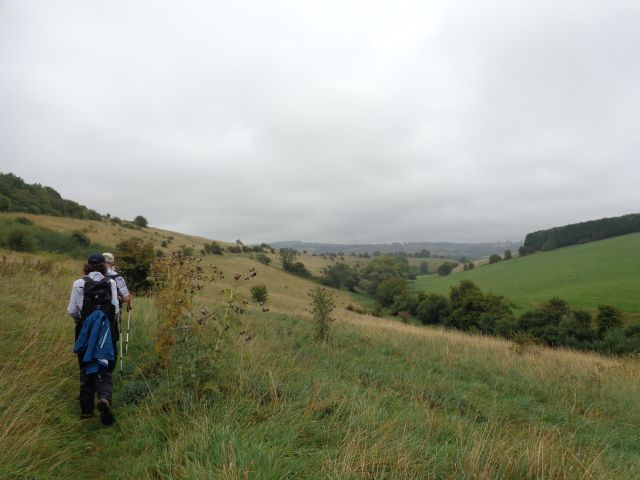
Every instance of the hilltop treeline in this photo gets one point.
(18, 196)
(583, 232)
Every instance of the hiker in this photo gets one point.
(94, 307)
(124, 296)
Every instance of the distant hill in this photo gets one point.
(582, 232)
(603, 272)
(18, 196)
(446, 249)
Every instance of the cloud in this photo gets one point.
(338, 121)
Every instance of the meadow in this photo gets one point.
(381, 399)
(588, 275)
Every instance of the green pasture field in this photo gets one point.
(588, 275)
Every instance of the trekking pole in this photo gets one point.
(126, 343)
(121, 357)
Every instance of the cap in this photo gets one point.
(108, 257)
(96, 259)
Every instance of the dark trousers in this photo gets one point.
(95, 384)
(90, 385)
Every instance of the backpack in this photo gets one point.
(97, 296)
(114, 277)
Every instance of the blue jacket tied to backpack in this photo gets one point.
(94, 343)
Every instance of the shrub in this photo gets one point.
(458, 295)
(140, 221)
(379, 269)
(213, 248)
(287, 257)
(475, 311)
(21, 240)
(406, 302)
(555, 323)
(299, 269)
(81, 239)
(23, 221)
(608, 317)
(259, 293)
(322, 305)
(575, 329)
(262, 258)
(445, 269)
(388, 289)
(434, 309)
(495, 258)
(134, 262)
(341, 275)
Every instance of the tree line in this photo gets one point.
(552, 238)
(18, 196)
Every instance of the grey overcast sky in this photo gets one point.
(343, 121)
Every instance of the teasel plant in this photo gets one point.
(191, 339)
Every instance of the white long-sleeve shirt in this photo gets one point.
(77, 294)
(121, 285)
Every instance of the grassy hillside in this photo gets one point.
(380, 400)
(604, 272)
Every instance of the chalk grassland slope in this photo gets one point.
(381, 400)
(603, 272)
(107, 233)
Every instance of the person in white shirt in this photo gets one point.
(124, 296)
(101, 384)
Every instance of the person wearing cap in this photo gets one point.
(101, 384)
(124, 296)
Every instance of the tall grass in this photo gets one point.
(380, 400)
(36, 374)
